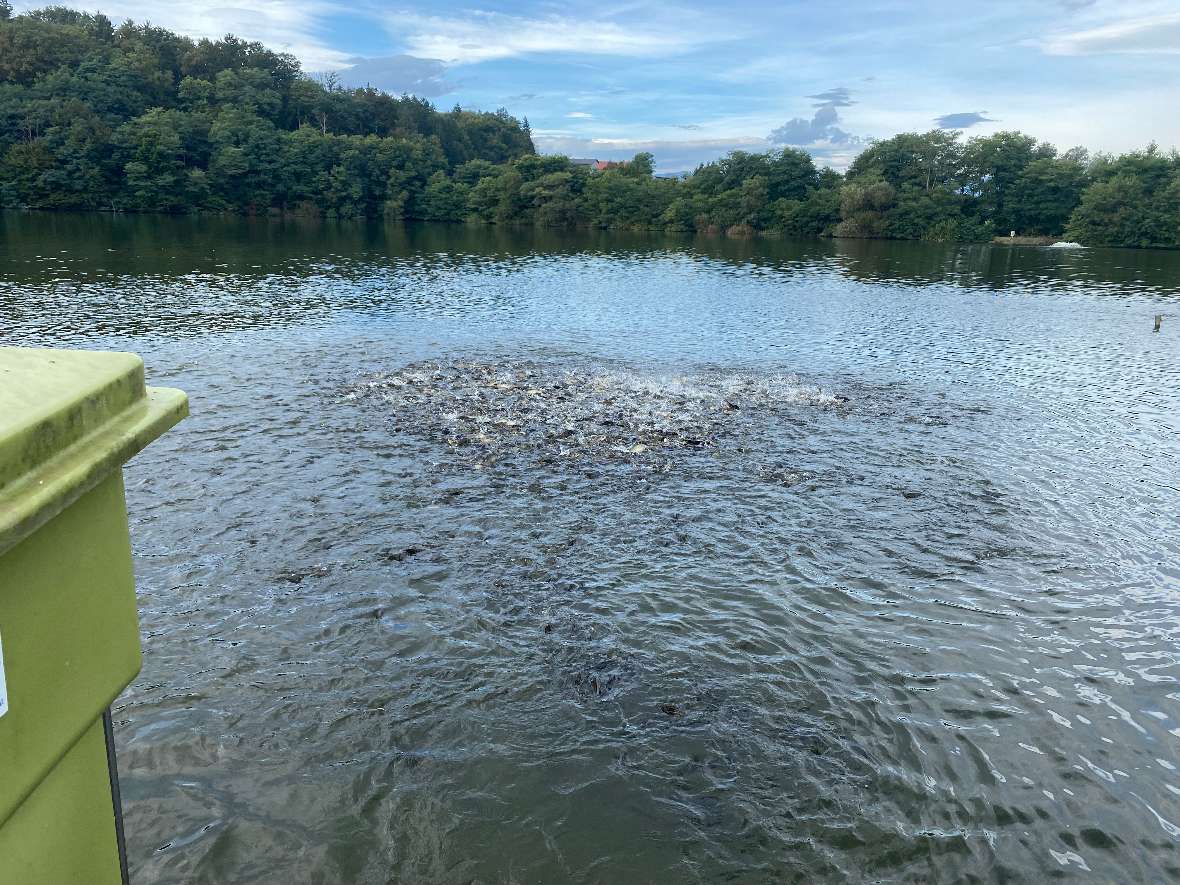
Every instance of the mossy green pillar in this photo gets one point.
(69, 635)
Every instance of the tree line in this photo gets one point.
(136, 118)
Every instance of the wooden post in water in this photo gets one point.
(1159, 319)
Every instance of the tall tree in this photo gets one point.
(918, 160)
(1124, 210)
(992, 166)
(1045, 194)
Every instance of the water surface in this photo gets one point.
(512, 556)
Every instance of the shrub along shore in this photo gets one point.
(139, 119)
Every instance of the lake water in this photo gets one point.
(509, 556)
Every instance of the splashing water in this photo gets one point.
(594, 413)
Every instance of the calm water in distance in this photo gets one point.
(512, 556)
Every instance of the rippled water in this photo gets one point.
(498, 557)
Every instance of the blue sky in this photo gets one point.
(691, 81)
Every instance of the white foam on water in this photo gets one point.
(717, 388)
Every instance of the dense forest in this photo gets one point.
(136, 118)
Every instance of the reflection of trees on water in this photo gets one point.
(201, 273)
(1023, 268)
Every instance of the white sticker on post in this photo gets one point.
(3, 684)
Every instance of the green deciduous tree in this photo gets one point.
(1045, 194)
(1125, 210)
(151, 153)
(922, 161)
(993, 166)
(864, 206)
(444, 199)
(246, 150)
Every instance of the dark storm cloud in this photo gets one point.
(964, 120)
(396, 74)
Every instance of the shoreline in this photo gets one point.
(733, 232)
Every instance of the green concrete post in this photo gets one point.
(69, 633)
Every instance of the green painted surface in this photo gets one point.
(68, 625)
(70, 633)
(64, 833)
(67, 419)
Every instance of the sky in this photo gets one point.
(692, 81)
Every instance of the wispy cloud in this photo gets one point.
(672, 155)
(839, 97)
(425, 77)
(1157, 34)
(287, 27)
(580, 115)
(680, 154)
(478, 36)
(963, 120)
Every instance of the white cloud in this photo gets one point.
(672, 155)
(788, 64)
(396, 74)
(485, 36)
(282, 26)
(1119, 122)
(821, 128)
(1144, 35)
(580, 115)
(647, 144)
